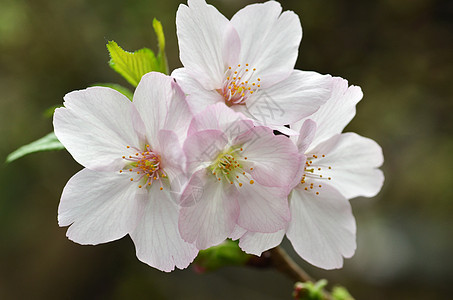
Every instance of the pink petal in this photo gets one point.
(202, 147)
(306, 134)
(201, 31)
(322, 228)
(220, 117)
(262, 209)
(156, 237)
(288, 101)
(95, 127)
(269, 40)
(210, 218)
(275, 159)
(99, 207)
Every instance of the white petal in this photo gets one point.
(95, 127)
(353, 160)
(198, 97)
(209, 217)
(336, 113)
(156, 237)
(292, 99)
(256, 242)
(322, 228)
(262, 209)
(161, 105)
(201, 33)
(269, 40)
(101, 207)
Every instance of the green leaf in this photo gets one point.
(123, 90)
(226, 254)
(161, 57)
(46, 143)
(132, 66)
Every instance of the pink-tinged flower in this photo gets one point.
(132, 157)
(338, 166)
(241, 176)
(247, 63)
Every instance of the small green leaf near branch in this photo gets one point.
(133, 65)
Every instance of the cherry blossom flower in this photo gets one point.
(132, 157)
(338, 166)
(241, 176)
(247, 63)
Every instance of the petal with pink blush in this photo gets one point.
(262, 209)
(220, 117)
(95, 126)
(203, 147)
(209, 218)
(306, 134)
(322, 228)
(156, 237)
(275, 159)
(99, 207)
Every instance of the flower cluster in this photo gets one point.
(195, 158)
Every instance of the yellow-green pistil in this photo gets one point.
(232, 167)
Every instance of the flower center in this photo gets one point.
(145, 167)
(231, 166)
(239, 84)
(314, 171)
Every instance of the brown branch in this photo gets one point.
(285, 264)
(280, 260)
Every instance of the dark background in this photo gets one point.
(399, 52)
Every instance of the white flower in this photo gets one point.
(132, 158)
(247, 63)
(339, 166)
(241, 175)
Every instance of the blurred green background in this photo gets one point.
(399, 52)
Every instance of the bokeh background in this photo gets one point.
(399, 52)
